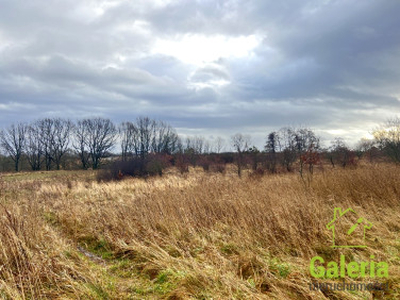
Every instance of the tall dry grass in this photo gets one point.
(201, 236)
(35, 261)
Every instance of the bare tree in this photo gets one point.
(219, 144)
(388, 138)
(81, 132)
(188, 143)
(287, 147)
(12, 140)
(198, 146)
(240, 144)
(340, 153)
(294, 143)
(180, 147)
(366, 147)
(33, 148)
(101, 136)
(145, 127)
(207, 147)
(307, 147)
(129, 140)
(165, 138)
(147, 136)
(61, 139)
(46, 129)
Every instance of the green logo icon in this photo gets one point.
(345, 234)
(348, 231)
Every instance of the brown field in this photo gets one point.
(200, 236)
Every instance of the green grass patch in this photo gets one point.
(98, 247)
(279, 268)
(97, 291)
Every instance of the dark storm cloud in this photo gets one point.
(329, 64)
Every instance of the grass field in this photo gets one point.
(202, 236)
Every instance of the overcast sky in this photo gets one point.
(207, 67)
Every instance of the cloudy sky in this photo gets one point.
(208, 67)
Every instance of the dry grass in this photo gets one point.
(200, 236)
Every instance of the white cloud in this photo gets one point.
(91, 10)
(197, 49)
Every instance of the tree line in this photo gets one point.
(151, 144)
(46, 142)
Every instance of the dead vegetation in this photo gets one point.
(197, 236)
